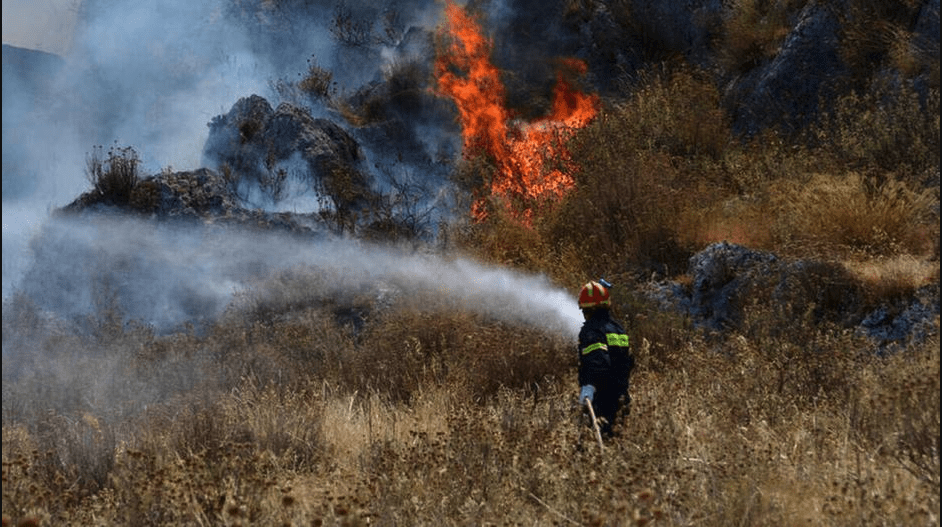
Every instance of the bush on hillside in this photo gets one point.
(113, 178)
(641, 165)
(753, 33)
(891, 129)
(854, 214)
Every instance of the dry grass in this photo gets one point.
(427, 418)
(853, 214)
(319, 82)
(900, 273)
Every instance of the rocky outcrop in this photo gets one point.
(257, 146)
(784, 89)
(907, 319)
(727, 280)
(201, 195)
(785, 93)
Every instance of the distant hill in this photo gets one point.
(28, 68)
(28, 76)
(27, 82)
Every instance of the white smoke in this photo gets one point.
(171, 274)
(46, 25)
(145, 75)
(151, 75)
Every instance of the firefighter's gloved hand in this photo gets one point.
(588, 392)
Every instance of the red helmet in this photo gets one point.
(594, 294)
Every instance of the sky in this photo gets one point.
(46, 25)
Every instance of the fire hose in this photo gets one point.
(595, 422)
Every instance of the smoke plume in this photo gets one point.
(151, 76)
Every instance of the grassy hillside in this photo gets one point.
(282, 413)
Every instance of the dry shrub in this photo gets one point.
(481, 461)
(622, 210)
(283, 293)
(113, 178)
(401, 215)
(60, 462)
(348, 28)
(896, 409)
(915, 55)
(216, 457)
(854, 214)
(288, 352)
(403, 352)
(407, 84)
(281, 423)
(643, 166)
(737, 201)
(675, 110)
(654, 37)
(503, 240)
(319, 82)
(871, 31)
(417, 346)
(891, 128)
(894, 277)
(501, 237)
(404, 95)
(753, 32)
(345, 194)
(659, 338)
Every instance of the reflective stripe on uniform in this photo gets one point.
(592, 347)
(617, 339)
(614, 339)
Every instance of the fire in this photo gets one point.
(533, 165)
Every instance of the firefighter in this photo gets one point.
(605, 359)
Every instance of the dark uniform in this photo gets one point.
(605, 362)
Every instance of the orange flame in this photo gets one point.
(533, 165)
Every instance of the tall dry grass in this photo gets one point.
(424, 417)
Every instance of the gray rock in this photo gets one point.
(907, 320)
(722, 274)
(728, 279)
(253, 143)
(785, 93)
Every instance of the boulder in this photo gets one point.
(726, 280)
(722, 276)
(201, 195)
(253, 144)
(784, 94)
